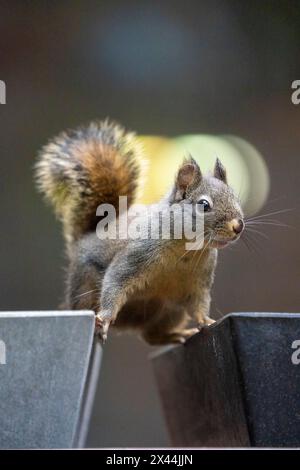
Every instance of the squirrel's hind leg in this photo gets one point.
(155, 338)
(170, 327)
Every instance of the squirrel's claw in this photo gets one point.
(101, 326)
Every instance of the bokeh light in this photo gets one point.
(246, 168)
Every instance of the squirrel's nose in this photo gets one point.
(237, 225)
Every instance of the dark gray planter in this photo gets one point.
(236, 383)
(45, 397)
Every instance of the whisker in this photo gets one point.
(220, 313)
(203, 246)
(188, 251)
(258, 232)
(270, 213)
(244, 240)
(264, 220)
(85, 293)
(250, 243)
(199, 258)
(267, 222)
(255, 242)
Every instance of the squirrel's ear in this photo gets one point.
(188, 176)
(220, 172)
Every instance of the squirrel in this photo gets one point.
(153, 286)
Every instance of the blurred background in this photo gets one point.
(217, 67)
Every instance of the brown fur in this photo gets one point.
(80, 169)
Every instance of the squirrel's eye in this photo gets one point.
(205, 204)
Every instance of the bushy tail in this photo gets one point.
(82, 168)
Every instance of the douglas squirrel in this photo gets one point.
(154, 286)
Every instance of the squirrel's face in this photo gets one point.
(223, 215)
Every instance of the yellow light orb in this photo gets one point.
(246, 169)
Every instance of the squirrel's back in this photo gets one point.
(82, 168)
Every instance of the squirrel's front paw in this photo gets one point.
(206, 322)
(102, 322)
